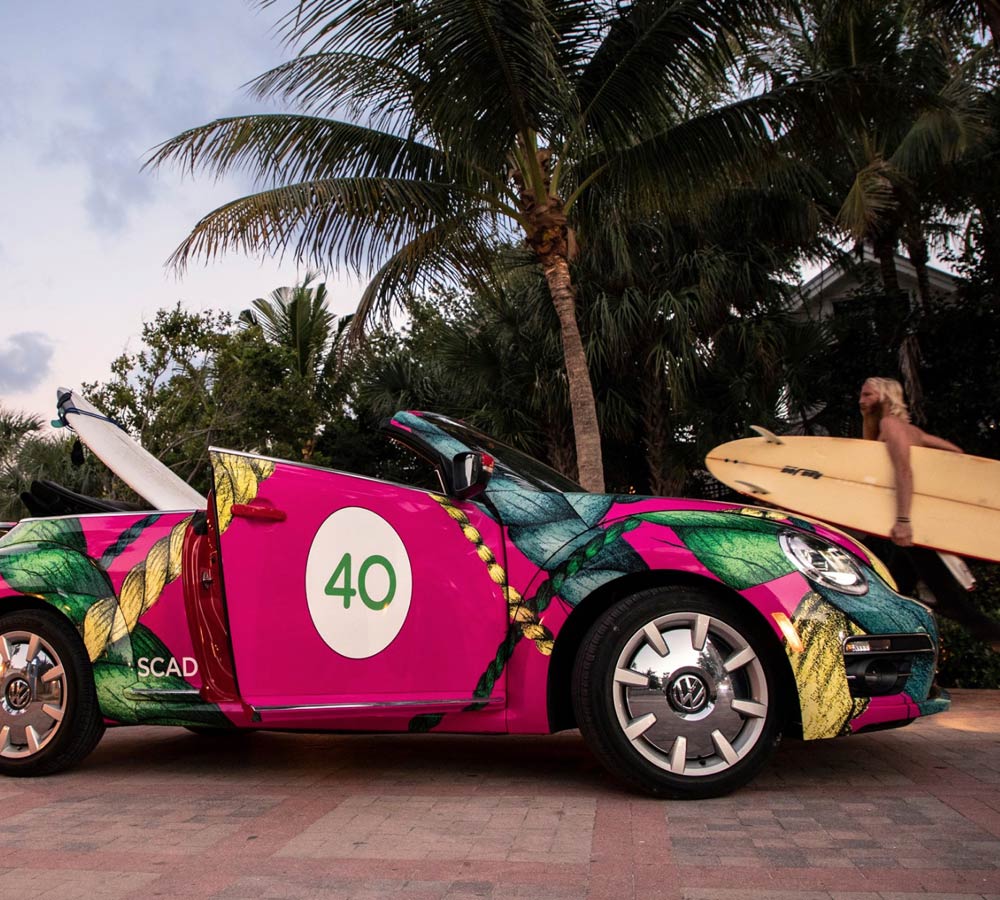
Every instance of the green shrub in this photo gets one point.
(965, 661)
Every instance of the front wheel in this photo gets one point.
(676, 692)
(49, 717)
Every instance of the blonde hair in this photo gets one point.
(891, 391)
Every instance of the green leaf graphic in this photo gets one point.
(742, 559)
(112, 680)
(66, 532)
(45, 567)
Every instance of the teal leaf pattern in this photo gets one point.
(882, 611)
(586, 581)
(423, 723)
(126, 538)
(591, 508)
(524, 509)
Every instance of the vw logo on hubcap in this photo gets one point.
(18, 693)
(688, 693)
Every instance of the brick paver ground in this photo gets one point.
(897, 815)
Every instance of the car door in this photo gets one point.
(348, 594)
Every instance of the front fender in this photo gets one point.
(58, 574)
(739, 550)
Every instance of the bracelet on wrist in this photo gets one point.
(903, 519)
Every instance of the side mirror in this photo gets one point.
(470, 473)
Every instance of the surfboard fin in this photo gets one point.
(754, 488)
(959, 570)
(768, 436)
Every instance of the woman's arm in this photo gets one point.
(896, 436)
(937, 443)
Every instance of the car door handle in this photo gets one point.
(252, 511)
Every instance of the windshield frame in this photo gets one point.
(513, 468)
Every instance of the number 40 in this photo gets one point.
(343, 571)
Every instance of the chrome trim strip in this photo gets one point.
(112, 514)
(385, 704)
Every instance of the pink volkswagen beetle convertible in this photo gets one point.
(682, 637)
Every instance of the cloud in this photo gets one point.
(25, 359)
(149, 77)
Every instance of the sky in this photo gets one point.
(86, 91)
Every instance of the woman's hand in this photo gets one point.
(902, 534)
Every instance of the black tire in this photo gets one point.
(49, 716)
(665, 722)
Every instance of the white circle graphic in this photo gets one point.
(358, 582)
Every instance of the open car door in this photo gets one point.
(350, 599)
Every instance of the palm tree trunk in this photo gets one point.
(916, 249)
(587, 434)
(885, 253)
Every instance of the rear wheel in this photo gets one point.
(677, 693)
(49, 716)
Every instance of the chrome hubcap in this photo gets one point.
(32, 694)
(690, 694)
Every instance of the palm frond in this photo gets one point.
(870, 198)
(323, 83)
(734, 142)
(351, 222)
(655, 58)
(289, 148)
(447, 252)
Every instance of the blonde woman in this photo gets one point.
(885, 418)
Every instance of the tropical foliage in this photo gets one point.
(593, 215)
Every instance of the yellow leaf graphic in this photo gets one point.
(827, 706)
(108, 620)
(142, 587)
(98, 625)
(759, 513)
(237, 480)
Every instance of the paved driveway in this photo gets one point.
(160, 812)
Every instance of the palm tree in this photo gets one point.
(960, 14)
(14, 427)
(888, 141)
(298, 320)
(467, 123)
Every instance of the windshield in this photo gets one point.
(525, 471)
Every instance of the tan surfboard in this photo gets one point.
(956, 498)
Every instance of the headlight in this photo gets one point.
(827, 564)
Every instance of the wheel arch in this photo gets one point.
(14, 602)
(586, 613)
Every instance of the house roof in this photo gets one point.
(841, 277)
